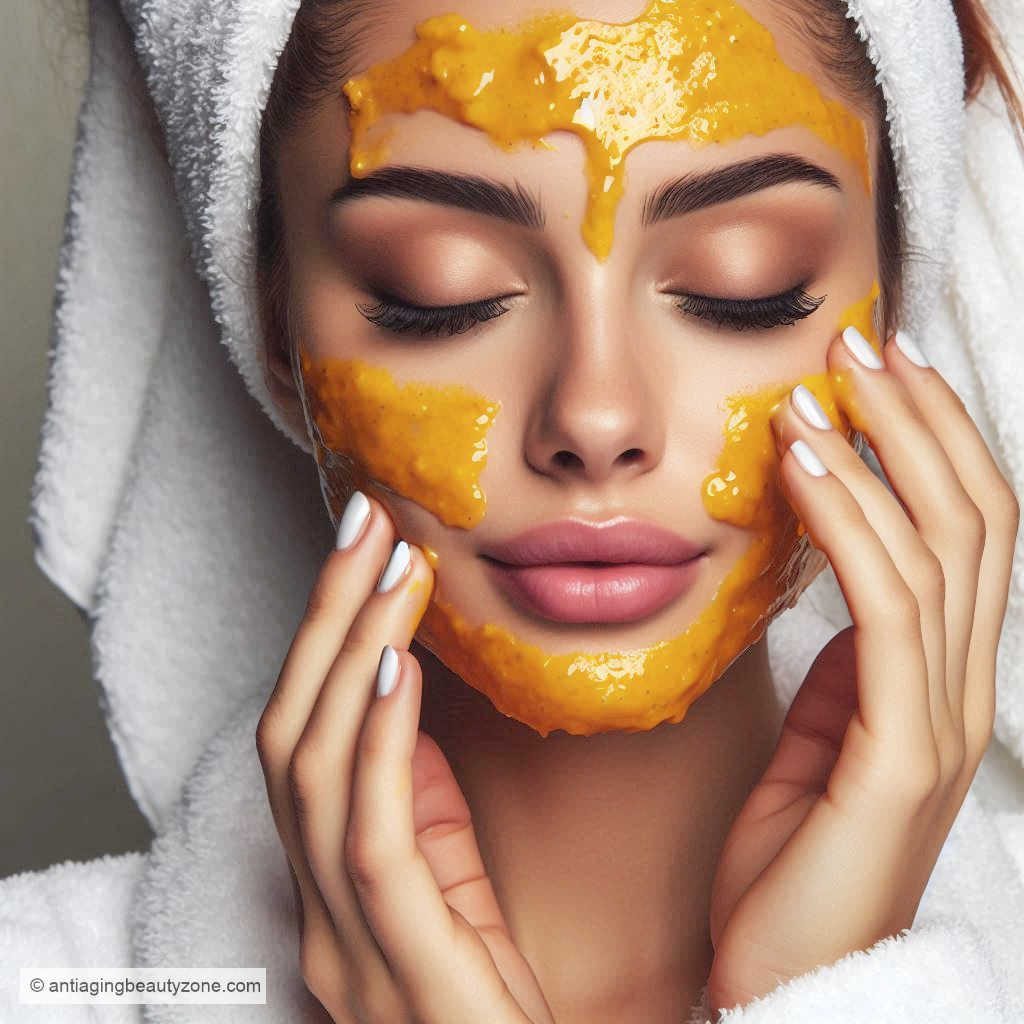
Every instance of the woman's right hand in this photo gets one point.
(398, 919)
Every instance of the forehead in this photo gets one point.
(385, 28)
(708, 53)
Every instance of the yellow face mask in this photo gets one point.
(700, 72)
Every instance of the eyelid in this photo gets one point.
(382, 295)
(395, 300)
(740, 300)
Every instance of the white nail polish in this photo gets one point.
(387, 671)
(861, 350)
(808, 459)
(910, 349)
(808, 407)
(357, 511)
(397, 564)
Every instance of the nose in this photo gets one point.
(596, 416)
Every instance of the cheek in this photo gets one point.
(424, 442)
(744, 490)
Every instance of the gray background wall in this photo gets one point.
(62, 795)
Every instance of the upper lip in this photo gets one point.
(576, 540)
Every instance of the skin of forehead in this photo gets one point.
(391, 28)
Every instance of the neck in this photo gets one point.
(602, 849)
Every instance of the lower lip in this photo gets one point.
(611, 593)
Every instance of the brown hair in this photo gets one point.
(325, 34)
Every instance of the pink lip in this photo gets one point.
(645, 568)
(574, 540)
(613, 593)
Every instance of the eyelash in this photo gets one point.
(781, 310)
(404, 319)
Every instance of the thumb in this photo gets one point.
(797, 774)
(446, 838)
(816, 723)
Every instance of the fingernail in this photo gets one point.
(909, 348)
(357, 511)
(397, 564)
(861, 350)
(806, 457)
(808, 407)
(387, 671)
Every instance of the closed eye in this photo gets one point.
(405, 318)
(782, 310)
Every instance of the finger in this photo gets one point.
(815, 724)
(991, 493)
(442, 965)
(893, 701)
(442, 824)
(322, 960)
(345, 579)
(802, 418)
(323, 764)
(443, 828)
(920, 471)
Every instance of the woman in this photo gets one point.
(484, 869)
(607, 810)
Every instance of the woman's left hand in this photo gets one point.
(834, 847)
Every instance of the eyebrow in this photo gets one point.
(468, 191)
(517, 204)
(721, 185)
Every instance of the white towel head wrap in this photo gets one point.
(190, 532)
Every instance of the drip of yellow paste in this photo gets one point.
(582, 693)
(697, 72)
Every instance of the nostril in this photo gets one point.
(565, 459)
(633, 455)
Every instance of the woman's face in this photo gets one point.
(607, 397)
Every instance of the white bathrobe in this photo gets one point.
(180, 518)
